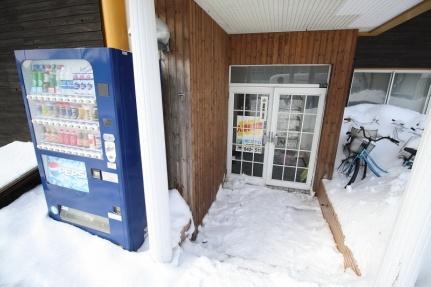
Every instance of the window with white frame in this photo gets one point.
(409, 89)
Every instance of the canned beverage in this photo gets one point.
(47, 134)
(78, 139)
(69, 111)
(66, 110)
(82, 113)
(54, 135)
(66, 137)
(95, 114)
(45, 110)
(88, 113)
(50, 109)
(61, 138)
(63, 112)
(84, 140)
(39, 108)
(57, 110)
(73, 138)
(97, 141)
(74, 112)
(91, 141)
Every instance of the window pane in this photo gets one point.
(280, 74)
(410, 90)
(369, 88)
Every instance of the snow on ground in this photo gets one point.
(367, 212)
(19, 157)
(273, 229)
(253, 236)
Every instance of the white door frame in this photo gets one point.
(304, 90)
(300, 89)
(250, 90)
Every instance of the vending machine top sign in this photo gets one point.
(81, 110)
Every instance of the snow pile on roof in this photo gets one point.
(368, 210)
(17, 158)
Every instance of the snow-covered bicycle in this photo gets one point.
(408, 148)
(357, 148)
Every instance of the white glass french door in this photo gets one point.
(294, 136)
(274, 134)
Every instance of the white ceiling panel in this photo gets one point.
(256, 16)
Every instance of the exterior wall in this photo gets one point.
(27, 24)
(210, 92)
(195, 95)
(318, 47)
(405, 46)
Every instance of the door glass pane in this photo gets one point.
(257, 170)
(295, 122)
(291, 158)
(311, 104)
(298, 103)
(238, 102)
(285, 101)
(280, 140)
(249, 128)
(368, 87)
(303, 159)
(293, 140)
(250, 102)
(247, 168)
(306, 141)
(277, 172)
(301, 175)
(309, 123)
(63, 108)
(279, 156)
(283, 121)
(289, 174)
(410, 90)
(293, 145)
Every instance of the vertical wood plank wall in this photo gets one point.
(209, 88)
(29, 24)
(317, 47)
(195, 95)
(175, 67)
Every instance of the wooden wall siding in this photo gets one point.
(209, 89)
(405, 46)
(195, 95)
(317, 47)
(176, 94)
(29, 24)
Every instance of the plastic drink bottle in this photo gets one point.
(39, 79)
(52, 80)
(34, 79)
(45, 85)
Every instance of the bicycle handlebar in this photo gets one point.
(370, 139)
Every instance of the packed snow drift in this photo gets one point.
(368, 209)
(17, 158)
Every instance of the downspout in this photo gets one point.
(143, 40)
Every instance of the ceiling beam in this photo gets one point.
(403, 17)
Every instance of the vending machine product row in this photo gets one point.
(81, 110)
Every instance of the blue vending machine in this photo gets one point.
(81, 110)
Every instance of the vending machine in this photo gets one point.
(81, 110)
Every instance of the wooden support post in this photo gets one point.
(115, 24)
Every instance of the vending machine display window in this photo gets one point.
(66, 173)
(63, 106)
